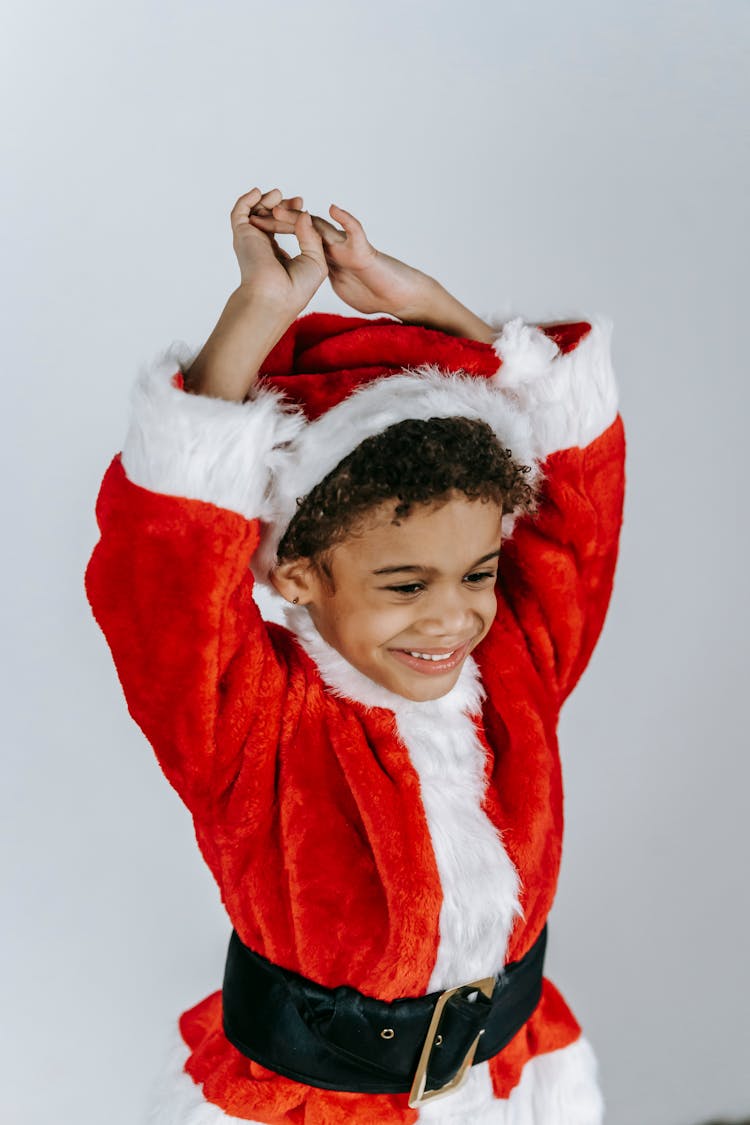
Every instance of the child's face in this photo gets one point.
(423, 586)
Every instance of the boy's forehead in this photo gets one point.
(455, 533)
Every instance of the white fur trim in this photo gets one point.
(258, 457)
(178, 1100)
(569, 399)
(423, 392)
(477, 878)
(204, 448)
(558, 1088)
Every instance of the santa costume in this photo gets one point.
(359, 838)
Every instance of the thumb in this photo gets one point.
(354, 229)
(310, 241)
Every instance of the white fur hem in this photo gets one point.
(204, 448)
(177, 1100)
(558, 1088)
(569, 399)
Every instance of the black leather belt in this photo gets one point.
(340, 1039)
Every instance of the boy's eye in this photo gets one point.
(479, 576)
(411, 588)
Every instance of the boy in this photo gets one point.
(376, 786)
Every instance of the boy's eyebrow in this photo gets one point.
(425, 569)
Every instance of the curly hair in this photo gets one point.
(414, 462)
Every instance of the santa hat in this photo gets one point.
(332, 381)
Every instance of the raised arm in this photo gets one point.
(372, 281)
(274, 289)
(557, 568)
(178, 512)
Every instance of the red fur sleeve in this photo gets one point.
(169, 585)
(557, 571)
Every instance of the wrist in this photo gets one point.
(422, 302)
(269, 317)
(227, 367)
(439, 309)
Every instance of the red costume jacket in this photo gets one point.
(358, 837)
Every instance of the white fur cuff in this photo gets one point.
(204, 448)
(570, 399)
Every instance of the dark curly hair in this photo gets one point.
(414, 462)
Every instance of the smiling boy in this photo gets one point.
(404, 590)
(375, 785)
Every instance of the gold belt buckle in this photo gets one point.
(418, 1095)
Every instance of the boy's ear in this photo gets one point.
(297, 579)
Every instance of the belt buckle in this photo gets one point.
(418, 1095)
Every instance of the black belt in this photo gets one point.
(340, 1039)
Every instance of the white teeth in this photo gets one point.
(430, 656)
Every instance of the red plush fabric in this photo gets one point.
(358, 350)
(307, 807)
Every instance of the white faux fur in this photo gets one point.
(177, 1100)
(547, 401)
(259, 457)
(479, 883)
(423, 392)
(205, 448)
(558, 1088)
(568, 399)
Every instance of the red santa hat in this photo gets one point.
(331, 381)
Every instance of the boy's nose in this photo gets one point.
(452, 618)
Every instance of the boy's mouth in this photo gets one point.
(431, 662)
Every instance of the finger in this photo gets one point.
(269, 198)
(272, 223)
(288, 216)
(254, 193)
(294, 203)
(264, 202)
(244, 206)
(310, 242)
(281, 216)
(329, 233)
(283, 221)
(351, 225)
(286, 208)
(286, 212)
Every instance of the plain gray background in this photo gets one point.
(546, 159)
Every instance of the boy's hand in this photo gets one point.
(365, 278)
(274, 289)
(267, 272)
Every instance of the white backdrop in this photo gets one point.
(548, 159)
